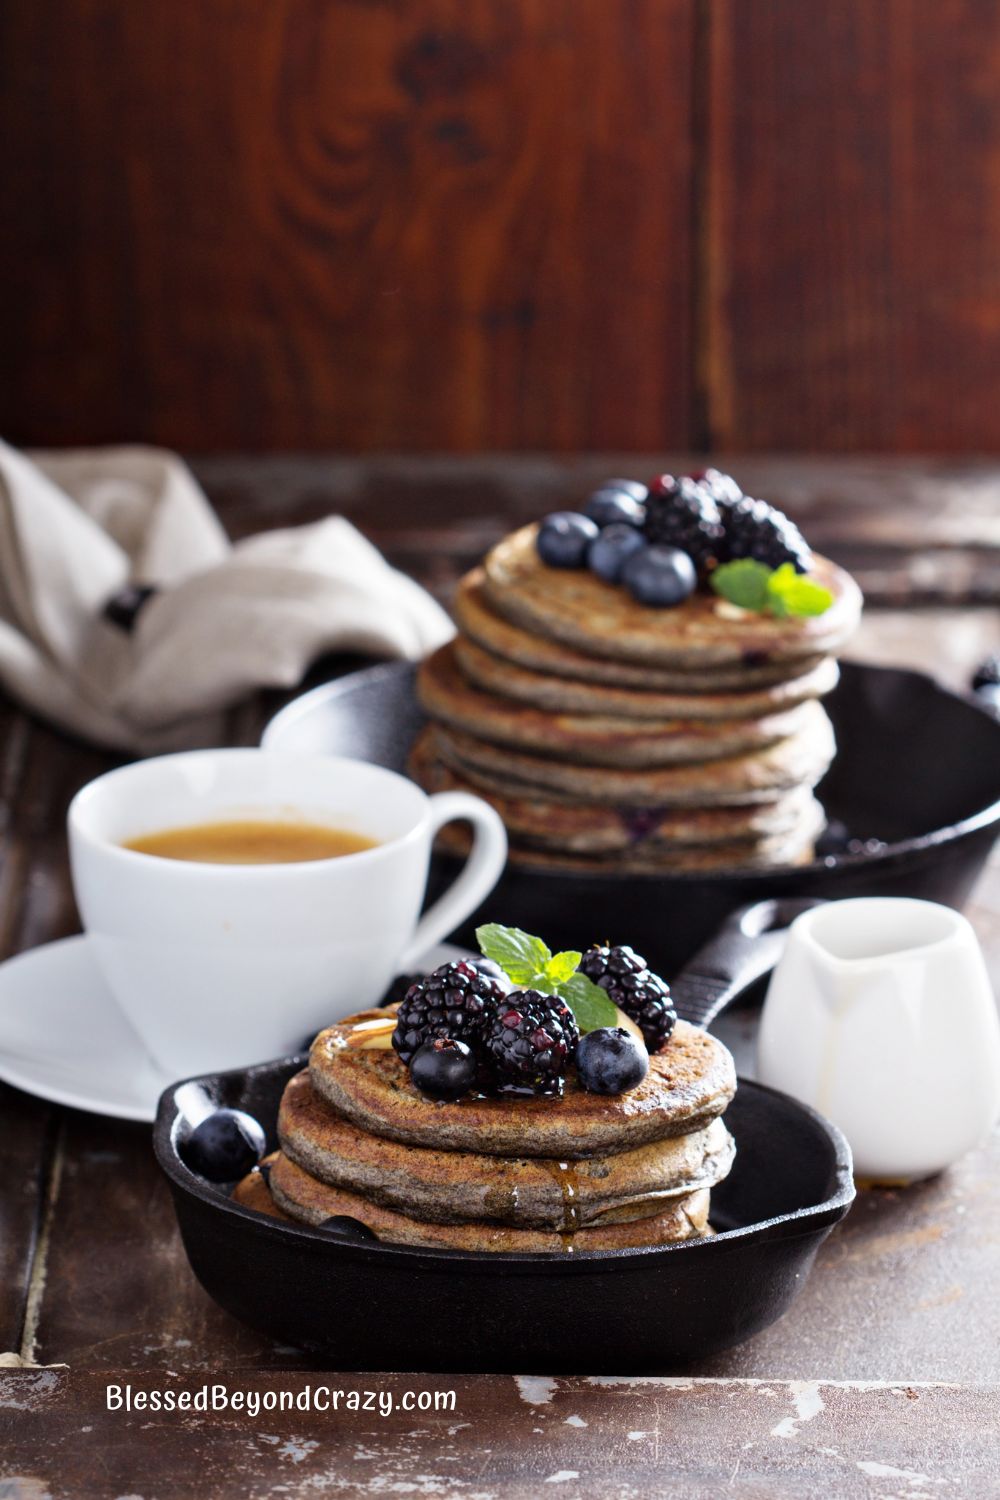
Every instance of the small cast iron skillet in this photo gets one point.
(917, 771)
(360, 1304)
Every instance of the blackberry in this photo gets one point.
(530, 1043)
(455, 1001)
(722, 487)
(681, 513)
(635, 989)
(752, 528)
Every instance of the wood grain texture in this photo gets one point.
(347, 223)
(851, 234)
(504, 1438)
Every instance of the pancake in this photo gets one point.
(759, 776)
(563, 695)
(302, 1197)
(448, 698)
(588, 828)
(253, 1192)
(451, 1187)
(602, 619)
(690, 1082)
(720, 859)
(483, 624)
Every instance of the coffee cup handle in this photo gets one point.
(480, 874)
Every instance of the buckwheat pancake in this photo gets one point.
(450, 1187)
(253, 1192)
(480, 622)
(690, 1082)
(302, 1197)
(760, 776)
(719, 859)
(590, 828)
(564, 695)
(448, 698)
(602, 619)
(658, 859)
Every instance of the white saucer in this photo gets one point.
(63, 1038)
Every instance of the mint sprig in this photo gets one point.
(531, 965)
(781, 592)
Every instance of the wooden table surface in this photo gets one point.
(882, 1381)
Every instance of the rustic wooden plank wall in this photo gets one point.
(493, 224)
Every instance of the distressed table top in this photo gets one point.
(881, 1382)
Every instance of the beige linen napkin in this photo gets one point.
(76, 527)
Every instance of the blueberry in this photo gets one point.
(607, 554)
(659, 576)
(610, 1061)
(224, 1146)
(443, 1069)
(626, 487)
(563, 539)
(609, 506)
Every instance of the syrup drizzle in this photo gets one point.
(564, 1174)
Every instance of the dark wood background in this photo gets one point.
(501, 224)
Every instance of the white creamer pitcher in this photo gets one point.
(881, 1015)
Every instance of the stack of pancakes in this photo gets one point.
(608, 734)
(582, 1172)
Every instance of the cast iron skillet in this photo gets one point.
(917, 768)
(360, 1304)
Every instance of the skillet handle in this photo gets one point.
(746, 947)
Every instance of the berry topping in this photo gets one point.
(455, 1001)
(443, 1069)
(681, 513)
(563, 539)
(492, 971)
(610, 505)
(628, 980)
(611, 1061)
(630, 487)
(722, 487)
(531, 1042)
(660, 577)
(752, 528)
(224, 1146)
(608, 554)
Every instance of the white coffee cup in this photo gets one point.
(223, 965)
(880, 1014)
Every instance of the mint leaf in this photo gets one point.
(561, 965)
(776, 591)
(590, 1004)
(521, 956)
(744, 582)
(792, 593)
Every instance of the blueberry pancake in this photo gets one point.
(591, 739)
(449, 1187)
(689, 1083)
(536, 819)
(563, 695)
(480, 622)
(793, 849)
(601, 619)
(759, 776)
(302, 1197)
